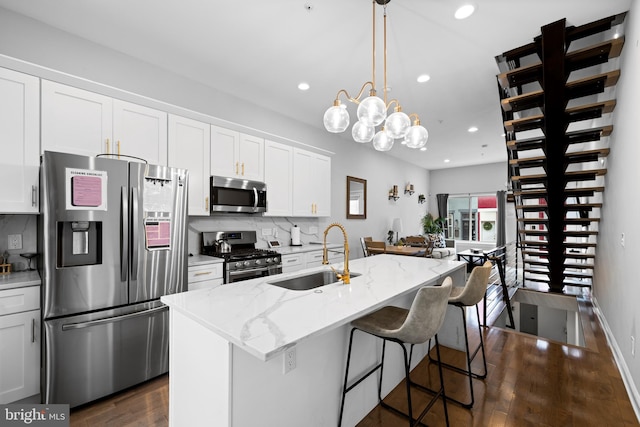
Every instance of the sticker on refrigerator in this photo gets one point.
(85, 189)
(158, 233)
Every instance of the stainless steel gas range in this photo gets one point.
(242, 261)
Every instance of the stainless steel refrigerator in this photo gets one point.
(112, 235)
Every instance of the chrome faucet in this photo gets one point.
(345, 277)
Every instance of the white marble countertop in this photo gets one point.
(290, 250)
(19, 279)
(198, 259)
(264, 320)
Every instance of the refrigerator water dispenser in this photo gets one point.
(79, 243)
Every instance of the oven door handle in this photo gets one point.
(248, 270)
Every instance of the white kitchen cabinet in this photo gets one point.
(20, 338)
(82, 122)
(293, 262)
(236, 155)
(204, 275)
(75, 121)
(314, 258)
(19, 142)
(140, 132)
(311, 184)
(189, 147)
(278, 175)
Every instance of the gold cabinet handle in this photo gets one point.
(237, 168)
(242, 168)
(206, 203)
(34, 195)
(118, 145)
(108, 147)
(204, 273)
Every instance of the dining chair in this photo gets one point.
(379, 247)
(363, 241)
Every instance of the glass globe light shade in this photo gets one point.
(336, 119)
(397, 125)
(372, 111)
(382, 141)
(416, 137)
(362, 133)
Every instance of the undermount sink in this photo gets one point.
(310, 281)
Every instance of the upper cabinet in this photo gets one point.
(189, 147)
(278, 175)
(81, 122)
(140, 132)
(311, 184)
(236, 155)
(19, 142)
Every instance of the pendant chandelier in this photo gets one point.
(372, 111)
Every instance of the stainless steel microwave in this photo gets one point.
(237, 195)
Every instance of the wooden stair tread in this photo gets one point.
(575, 274)
(565, 220)
(567, 206)
(583, 175)
(579, 245)
(574, 255)
(574, 114)
(575, 89)
(566, 282)
(574, 265)
(569, 192)
(575, 137)
(570, 233)
(576, 60)
(571, 157)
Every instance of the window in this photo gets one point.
(472, 217)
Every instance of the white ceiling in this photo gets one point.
(261, 50)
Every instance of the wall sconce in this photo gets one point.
(409, 189)
(421, 199)
(393, 193)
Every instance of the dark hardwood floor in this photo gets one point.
(531, 382)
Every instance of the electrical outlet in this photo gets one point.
(267, 231)
(15, 241)
(633, 346)
(313, 230)
(289, 360)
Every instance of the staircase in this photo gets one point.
(555, 101)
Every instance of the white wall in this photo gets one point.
(616, 275)
(125, 77)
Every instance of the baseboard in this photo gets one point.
(632, 390)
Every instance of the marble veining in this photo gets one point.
(264, 319)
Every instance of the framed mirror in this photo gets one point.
(356, 198)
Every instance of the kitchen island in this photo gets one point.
(230, 346)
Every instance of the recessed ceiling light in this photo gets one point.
(423, 78)
(464, 11)
(303, 86)
(472, 129)
(447, 160)
(423, 149)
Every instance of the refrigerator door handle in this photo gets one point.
(124, 229)
(72, 326)
(134, 234)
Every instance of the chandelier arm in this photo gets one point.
(394, 100)
(416, 118)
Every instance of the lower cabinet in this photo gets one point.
(204, 275)
(309, 259)
(19, 356)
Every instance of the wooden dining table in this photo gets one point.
(398, 250)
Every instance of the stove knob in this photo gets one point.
(247, 263)
(268, 260)
(258, 262)
(238, 264)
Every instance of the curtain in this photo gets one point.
(501, 235)
(442, 205)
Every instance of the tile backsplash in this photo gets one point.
(267, 228)
(27, 226)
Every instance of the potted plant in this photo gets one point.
(434, 230)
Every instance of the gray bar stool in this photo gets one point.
(467, 296)
(414, 326)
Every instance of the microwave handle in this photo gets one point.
(255, 197)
